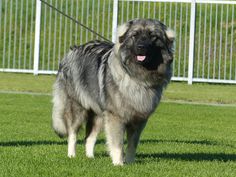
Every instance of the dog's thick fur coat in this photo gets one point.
(116, 85)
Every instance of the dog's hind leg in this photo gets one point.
(133, 134)
(93, 127)
(75, 115)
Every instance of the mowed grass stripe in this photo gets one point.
(163, 100)
(179, 140)
(24, 93)
(206, 93)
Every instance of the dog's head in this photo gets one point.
(145, 44)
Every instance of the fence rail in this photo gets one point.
(34, 37)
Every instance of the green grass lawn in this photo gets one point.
(179, 140)
(214, 28)
(210, 93)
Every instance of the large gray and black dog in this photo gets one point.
(116, 85)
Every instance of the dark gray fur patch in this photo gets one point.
(81, 66)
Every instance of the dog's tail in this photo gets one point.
(58, 112)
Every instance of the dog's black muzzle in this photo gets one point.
(143, 44)
(142, 48)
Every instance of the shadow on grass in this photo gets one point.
(141, 156)
(43, 142)
(31, 143)
(189, 156)
(200, 142)
(102, 141)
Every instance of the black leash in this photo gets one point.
(76, 21)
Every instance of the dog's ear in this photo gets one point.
(170, 34)
(121, 34)
(168, 55)
(122, 31)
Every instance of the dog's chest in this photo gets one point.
(136, 98)
(130, 97)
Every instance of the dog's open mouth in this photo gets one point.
(141, 58)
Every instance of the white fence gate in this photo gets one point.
(34, 37)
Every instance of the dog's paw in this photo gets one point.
(91, 156)
(71, 155)
(118, 163)
(129, 158)
(129, 161)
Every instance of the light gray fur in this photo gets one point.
(93, 86)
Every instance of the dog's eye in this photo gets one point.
(159, 43)
(153, 35)
(135, 34)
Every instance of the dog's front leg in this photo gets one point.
(134, 131)
(114, 128)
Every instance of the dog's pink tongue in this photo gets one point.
(141, 58)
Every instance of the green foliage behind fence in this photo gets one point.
(215, 40)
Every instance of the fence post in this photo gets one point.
(114, 20)
(191, 42)
(37, 37)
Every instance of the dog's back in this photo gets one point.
(77, 82)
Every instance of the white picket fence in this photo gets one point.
(34, 37)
